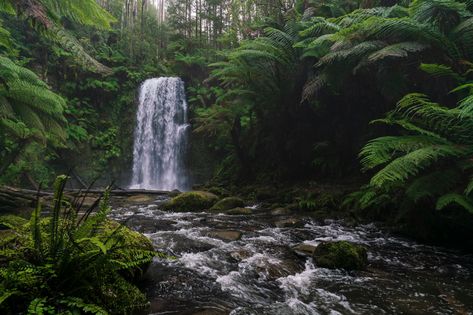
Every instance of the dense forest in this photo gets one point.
(354, 110)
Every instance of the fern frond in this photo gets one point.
(433, 184)
(457, 199)
(439, 70)
(382, 150)
(411, 164)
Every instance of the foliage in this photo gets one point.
(431, 159)
(29, 109)
(68, 264)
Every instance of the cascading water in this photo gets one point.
(160, 135)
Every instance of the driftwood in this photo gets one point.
(17, 198)
(121, 192)
(11, 197)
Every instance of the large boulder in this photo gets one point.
(191, 201)
(341, 254)
(130, 238)
(227, 204)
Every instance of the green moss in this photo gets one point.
(10, 221)
(12, 235)
(239, 211)
(341, 254)
(191, 201)
(228, 203)
(130, 238)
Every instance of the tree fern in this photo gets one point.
(433, 161)
(455, 199)
(47, 15)
(25, 99)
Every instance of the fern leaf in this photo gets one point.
(453, 198)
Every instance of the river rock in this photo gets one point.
(280, 211)
(341, 254)
(239, 211)
(304, 249)
(240, 254)
(141, 198)
(291, 222)
(211, 311)
(191, 201)
(226, 235)
(228, 203)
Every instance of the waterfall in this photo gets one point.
(160, 135)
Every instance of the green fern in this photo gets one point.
(74, 263)
(433, 161)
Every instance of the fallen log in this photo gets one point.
(31, 194)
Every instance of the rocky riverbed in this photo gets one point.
(254, 264)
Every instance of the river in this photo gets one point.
(245, 264)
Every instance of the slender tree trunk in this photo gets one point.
(10, 158)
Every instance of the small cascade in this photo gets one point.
(160, 136)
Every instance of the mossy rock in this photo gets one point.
(239, 211)
(228, 203)
(191, 201)
(219, 191)
(130, 238)
(341, 254)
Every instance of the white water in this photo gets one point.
(160, 135)
(259, 274)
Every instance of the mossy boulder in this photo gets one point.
(130, 238)
(228, 203)
(341, 254)
(191, 201)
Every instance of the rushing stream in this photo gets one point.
(214, 272)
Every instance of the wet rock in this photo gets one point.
(304, 250)
(226, 235)
(341, 254)
(191, 201)
(280, 211)
(228, 203)
(141, 198)
(211, 311)
(291, 222)
(320, 215)
(145, 225)
(179, 244)
(241, 254)
(283, 269)
(239, 211)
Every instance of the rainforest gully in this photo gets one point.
(236, 157)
